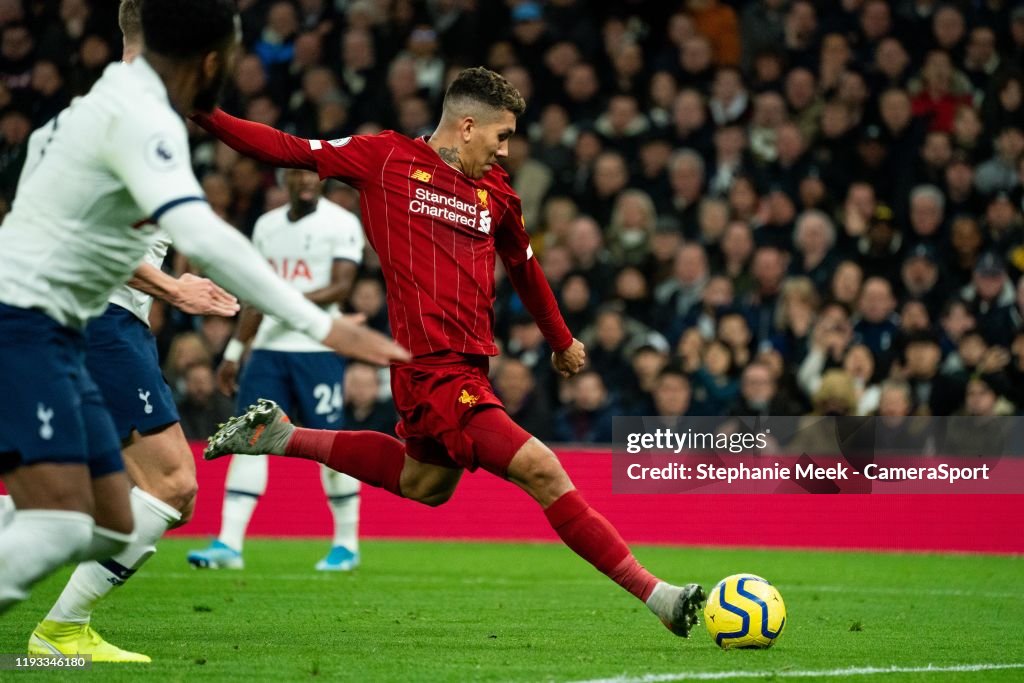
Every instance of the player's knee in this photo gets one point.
(431, 493)
(537, 470)
(178, 489)
(437, 498)
(187, 510)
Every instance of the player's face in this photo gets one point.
(488, 143)
(304, 187)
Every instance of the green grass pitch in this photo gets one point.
(521, 612)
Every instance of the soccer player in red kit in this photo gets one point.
(437, 210)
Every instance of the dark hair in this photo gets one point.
(129, 21)
(183, 29)
(672, 371)
(486, 87)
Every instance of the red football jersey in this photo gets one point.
(436, 232)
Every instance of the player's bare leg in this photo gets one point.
(163, 469)
(161, 464)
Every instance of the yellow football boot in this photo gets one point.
(56, 638)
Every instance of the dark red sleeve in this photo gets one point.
(351, 159)
(513, 246)
(533, 288)
(260, 142)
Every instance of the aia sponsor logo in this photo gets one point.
(292, 269)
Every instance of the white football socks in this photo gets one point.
(36, 543)
(93, 580)
(663, 598)
(246, 482)
(6, 511)
(343, 497)
(105, 543)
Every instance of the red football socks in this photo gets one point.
(371, 457)
(590, 536)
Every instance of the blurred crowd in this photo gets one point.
(751, 207)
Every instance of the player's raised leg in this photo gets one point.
(371, 457)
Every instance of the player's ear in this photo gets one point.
(466, 128)
(211, 64)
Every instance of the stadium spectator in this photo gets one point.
(202, 408)
(515, 383)
(364, 408)
(588, 416)
(759, 394)
(672, 394)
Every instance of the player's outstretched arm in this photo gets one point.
(232, 261)
(528, 280)
(190, 294)
(258, 141)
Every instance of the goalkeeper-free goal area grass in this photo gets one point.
(449, 611)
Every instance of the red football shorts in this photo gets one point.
(450, 415)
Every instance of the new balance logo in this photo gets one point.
(468, 399)
(144, 396)
(256, 434)
(421, 175)
(45, 428)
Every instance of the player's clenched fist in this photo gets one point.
(571, 360)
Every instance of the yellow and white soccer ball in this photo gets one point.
(744, 611)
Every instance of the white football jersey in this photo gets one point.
(303, 254)
(139, 303)
(85, 213)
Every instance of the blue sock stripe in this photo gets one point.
(117, 569)
(236, 492)
(342, 498)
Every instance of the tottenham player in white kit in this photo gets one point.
(119, 157)
(316, 246)
(122, 360)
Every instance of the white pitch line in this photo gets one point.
(826, 673)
